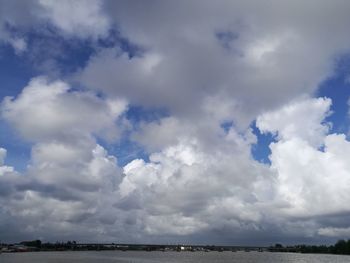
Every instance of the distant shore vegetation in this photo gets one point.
(341, 247)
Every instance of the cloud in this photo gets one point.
(289, 122)
(46, 110)
(260, 71)
(2, 155)
(212, 186)
(63, 124)
(18, 44)
(83, 18)
(334, 232)
(12, 15)
(70, 175)
(311, 181)
(169, 131)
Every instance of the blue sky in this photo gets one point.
(336, 87)
(174, 121)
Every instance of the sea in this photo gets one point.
(171, 257)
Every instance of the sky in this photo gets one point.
(207, 122)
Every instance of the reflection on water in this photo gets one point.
(171, 257)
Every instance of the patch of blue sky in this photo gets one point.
(337, 88)
(138, 114)
(50, 53)
(125, 150)
(226, 126)
(115, 39)
(53, 55)
(261, 150)
(226, 38)
(15, 72)
(18, 150)
(76, 53)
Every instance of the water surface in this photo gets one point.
(171, 257)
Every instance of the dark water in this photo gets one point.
(171, 257)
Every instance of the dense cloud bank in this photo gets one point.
(217, 70)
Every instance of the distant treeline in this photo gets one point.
(50, 246)
(37, 245)
(341, 247)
